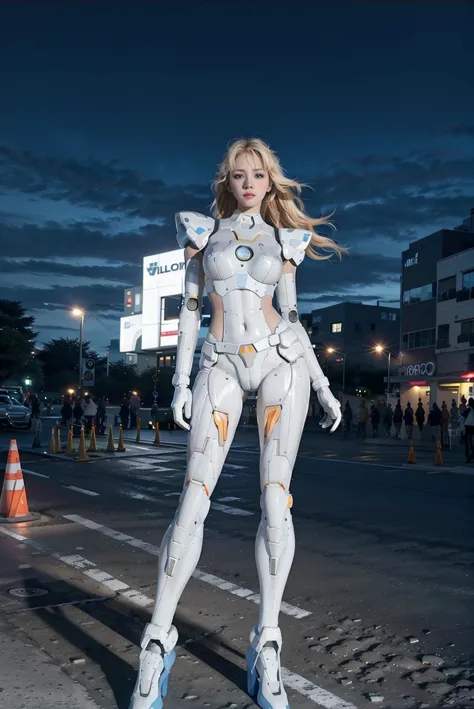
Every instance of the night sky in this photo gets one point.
(114, 116)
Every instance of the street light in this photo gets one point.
(331, 350)
(381, 350)
(78, 313)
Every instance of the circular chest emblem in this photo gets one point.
(243, 253)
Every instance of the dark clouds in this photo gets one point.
(114, 117)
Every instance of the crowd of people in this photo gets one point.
(85, 411)
(457, 421)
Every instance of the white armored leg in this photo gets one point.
(282, 407)
(217, 404)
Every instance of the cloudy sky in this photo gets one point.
(115, 114)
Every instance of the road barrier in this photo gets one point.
(52, 445)
(70, 442)
(138, 436)
(58, 440)
(37, 438)
(157, 441)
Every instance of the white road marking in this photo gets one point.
(138, 496)
(318, 695)
(235, 511)
(234, 467)
(88, 568)
(81, 489)
(311, 691)
(229, 499)
(172, 494)
(287, 608)
(32, 472)
(144, 465)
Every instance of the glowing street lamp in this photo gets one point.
(79, 313)
(380, 349)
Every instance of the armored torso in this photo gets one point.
(243, 261)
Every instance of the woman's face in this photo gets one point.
(249, 183)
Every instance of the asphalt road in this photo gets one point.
(383, 571)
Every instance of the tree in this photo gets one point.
(17, 338)
(60, 360)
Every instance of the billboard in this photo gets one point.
(163, 288)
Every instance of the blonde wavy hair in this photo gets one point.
(281, 206)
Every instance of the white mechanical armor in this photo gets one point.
(240, 260)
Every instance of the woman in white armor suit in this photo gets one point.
(239, 257)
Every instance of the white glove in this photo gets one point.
(331, 406)
(182, 401)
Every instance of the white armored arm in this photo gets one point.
(293, 244)
(286, 294)
(189, 317)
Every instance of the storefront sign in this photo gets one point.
(425, 369)
(413, 261)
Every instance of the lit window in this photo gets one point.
(336, 327)
(468, 279)
(383, 315)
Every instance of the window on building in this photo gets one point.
(171, 305)
(419, 338)
(417, 295)
(468, 279)
(392, 317)
(316, 319)
(443, 336)
(167, 361)
(467, 332)
(383, 315)
(336, 327)
(161, 362)
(446, 288)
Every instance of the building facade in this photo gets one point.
(354, 329)
(433, 271)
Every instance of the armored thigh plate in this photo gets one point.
(209, 355)
(290, 347)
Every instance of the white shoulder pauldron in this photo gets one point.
(193, 229)
(294, 243)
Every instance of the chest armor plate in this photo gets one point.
(242, 256)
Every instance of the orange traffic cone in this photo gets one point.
(13, 503)
(110, 445)
(439, 456)
(411, 454)
(93, 442)
(121, 448)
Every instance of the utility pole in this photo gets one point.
(108, 360)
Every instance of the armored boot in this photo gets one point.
(263, 669)
(154, 665)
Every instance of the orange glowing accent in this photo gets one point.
(249, 241)
(206, 489)
(289, 503)
(280, 484)
(246, 348)
(272, 414)
(222, 422)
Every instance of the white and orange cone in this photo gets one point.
(13, 502)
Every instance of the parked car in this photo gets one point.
(13, 413)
